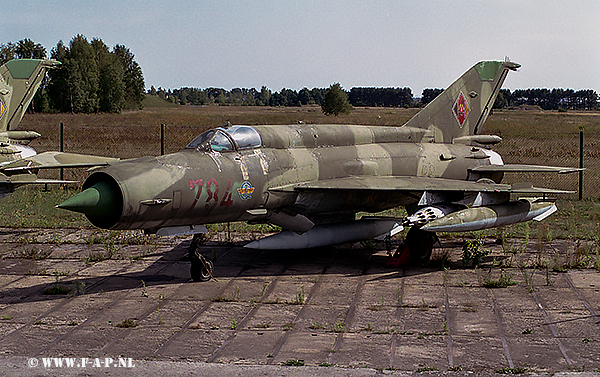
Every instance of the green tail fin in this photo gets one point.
(19, 80)
(463, 108)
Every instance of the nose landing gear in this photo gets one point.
(201, 268)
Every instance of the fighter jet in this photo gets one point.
(313, 179)
(19, 81)
(19, 163)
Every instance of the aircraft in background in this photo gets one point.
(19, 163)
(19, 81)
(312, 179)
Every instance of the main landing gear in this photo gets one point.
(416, 249)
(201, 268)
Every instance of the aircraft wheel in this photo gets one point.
(201, 268)
(420, 244)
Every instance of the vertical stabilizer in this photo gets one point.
(463, 108)
(19, 80)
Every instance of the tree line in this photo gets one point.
(372, 97)
(547, 99)
(242, 96)
(92, 77)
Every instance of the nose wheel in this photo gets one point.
(201, 268)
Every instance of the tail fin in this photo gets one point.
(19, 80)
(463, 108)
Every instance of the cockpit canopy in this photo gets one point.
(227, 139)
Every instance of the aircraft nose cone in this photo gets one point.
(82, 202)
(96, 201)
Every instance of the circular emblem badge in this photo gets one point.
(246, 190)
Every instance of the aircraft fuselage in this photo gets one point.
(201, 186)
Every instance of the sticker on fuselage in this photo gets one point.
(246, 190)
(461, 109)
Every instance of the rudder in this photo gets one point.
(463, 108)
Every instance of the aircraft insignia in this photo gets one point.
(2, 108)
(461, 109)
(246, 190)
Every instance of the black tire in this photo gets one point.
(420, 243)
(199, 271)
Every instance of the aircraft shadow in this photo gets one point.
(230, 260)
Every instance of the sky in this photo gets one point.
(315, 43)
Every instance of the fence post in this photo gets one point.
(162, 139)
(62, 147)
(581, 163)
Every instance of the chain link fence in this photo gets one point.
(124, 142)
(559, 148)
(555, 148)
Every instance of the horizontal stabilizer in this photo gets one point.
(8, 184)
(525, 169)
(38, 181)
(28, 179)
(56, 160)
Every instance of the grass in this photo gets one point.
(99, 256)
(33, 207)
(503, 281)
(33, 253)
(222, 298)
(316, 325)
(293, 363)
(515, 370)
(127, 323)
(300, 297)
(339, 327)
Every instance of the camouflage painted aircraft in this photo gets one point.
(19, 81)
(312, 179)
